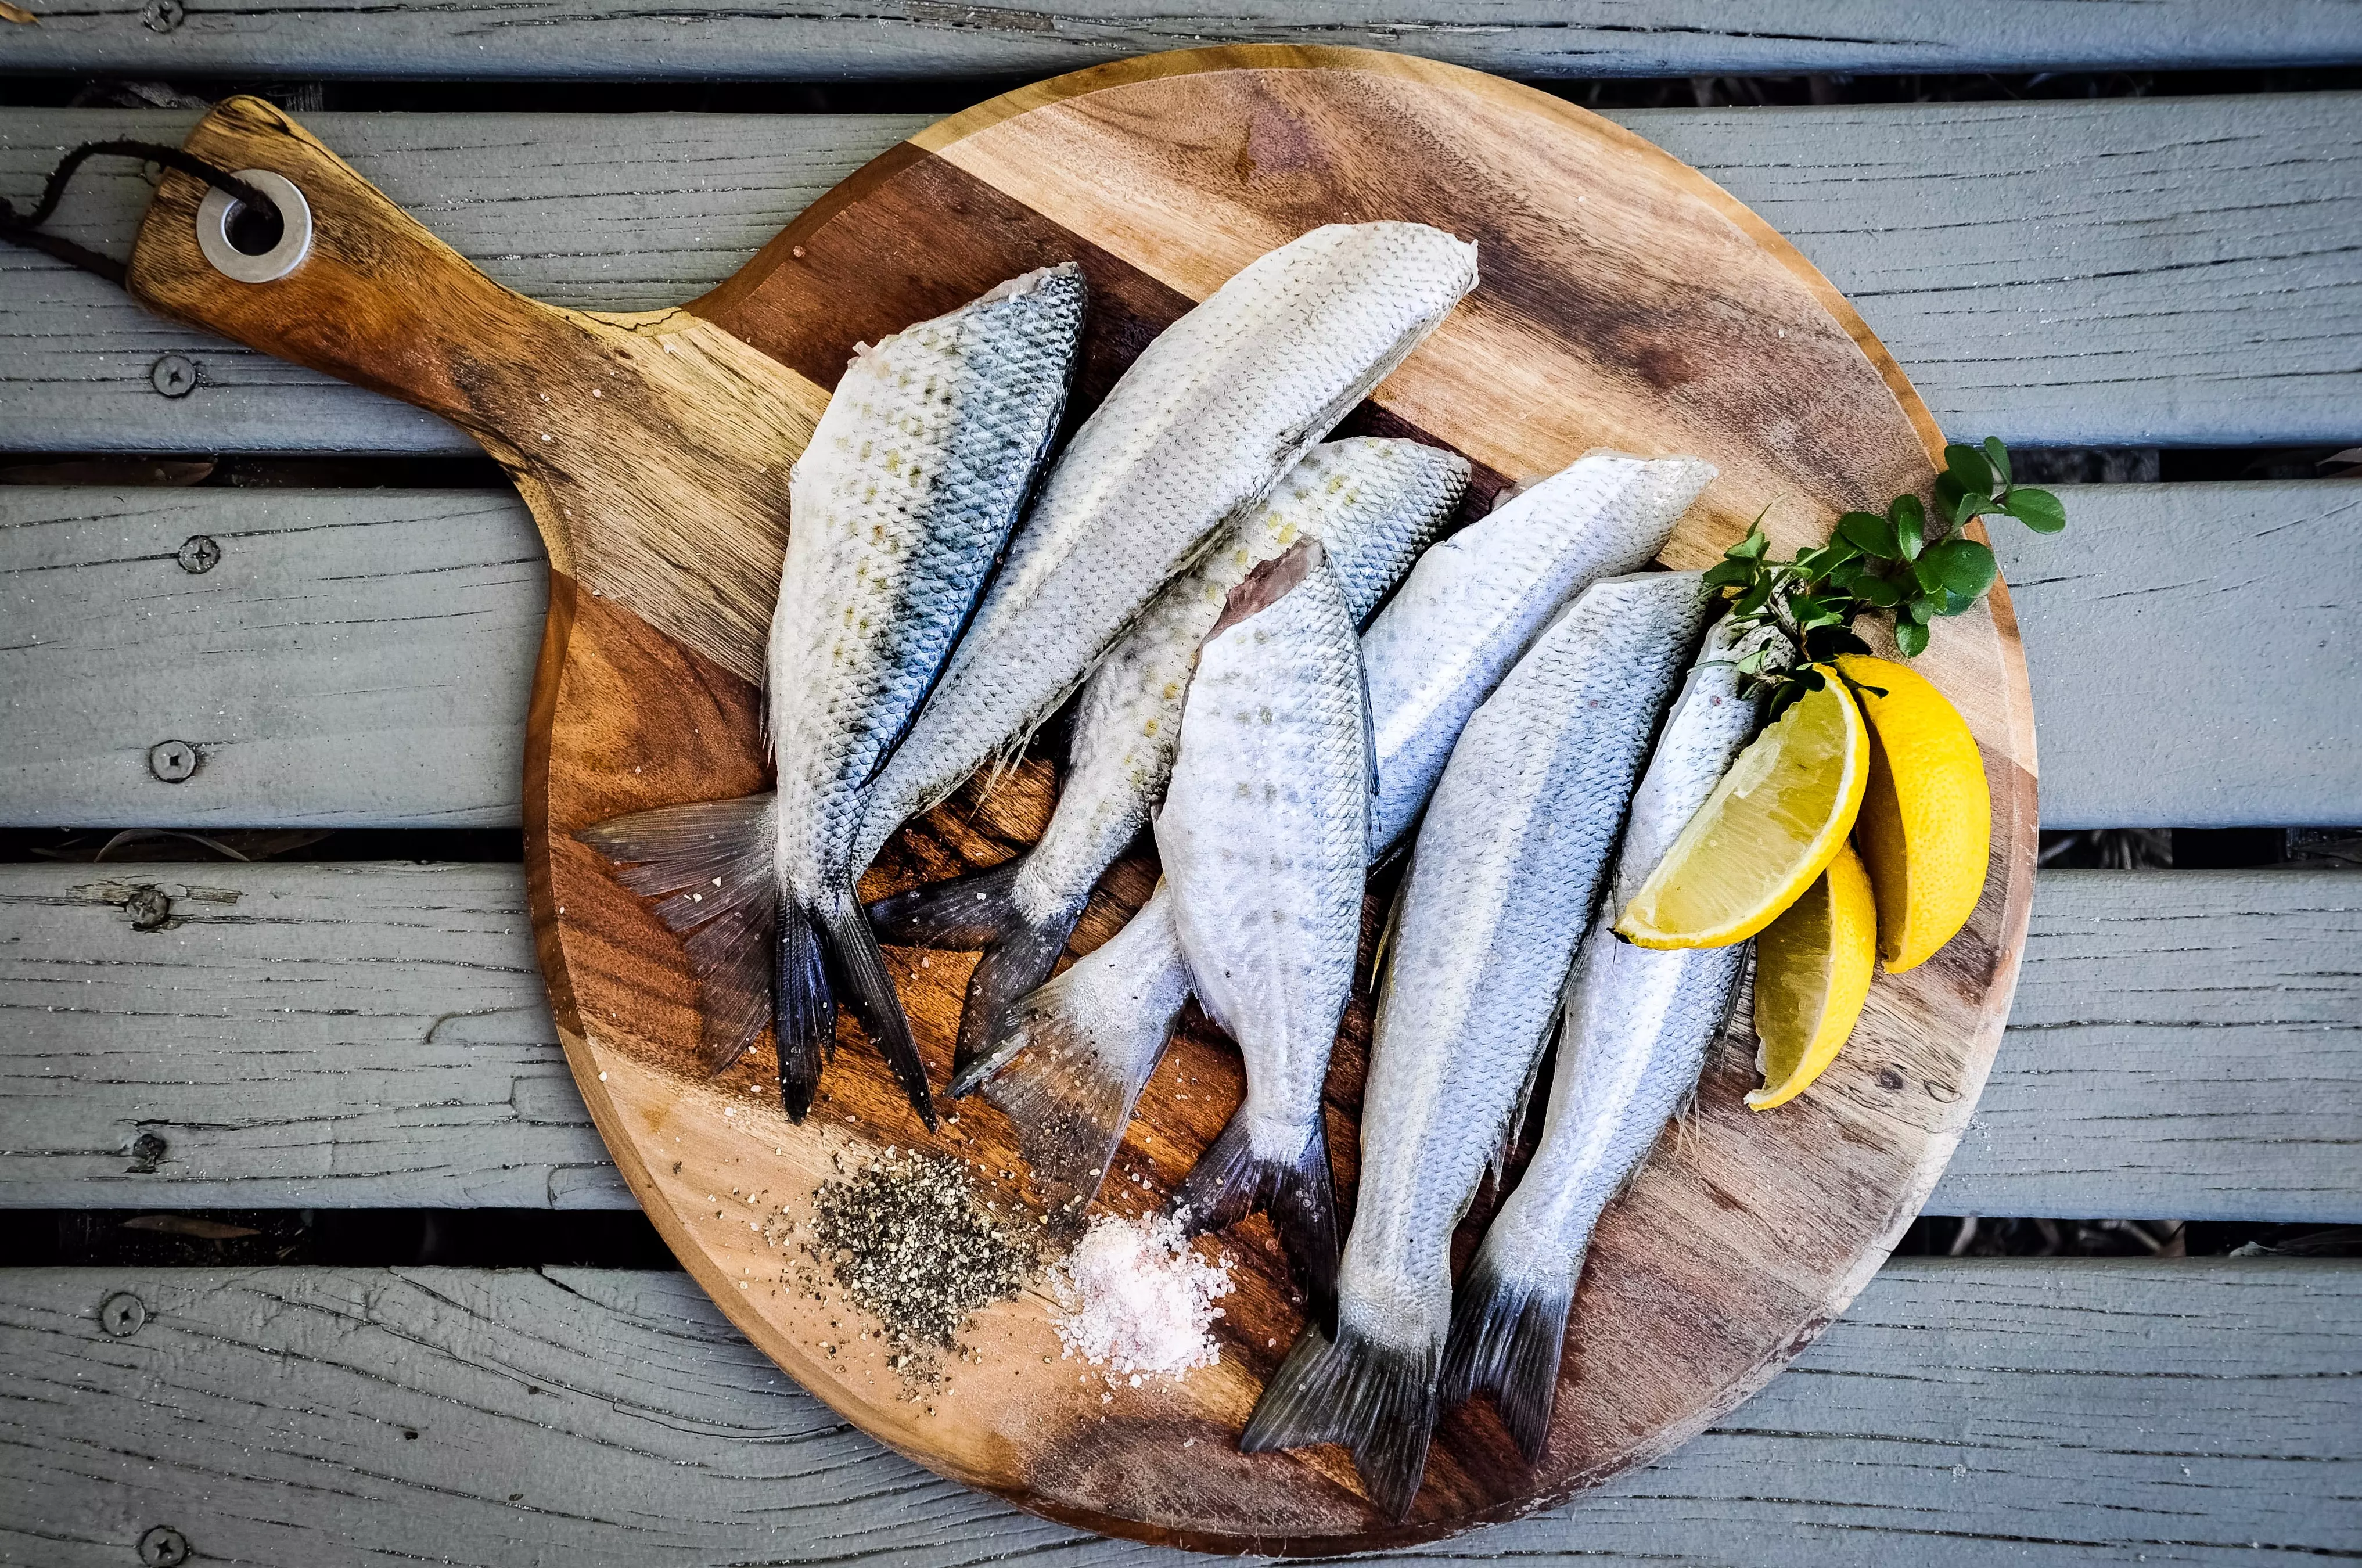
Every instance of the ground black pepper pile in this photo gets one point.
(913, 1242)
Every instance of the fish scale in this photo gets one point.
(1265, 834)
(1198, 429)
(1072, 1057)
(918, 469)
(1374, 504)
(1636, 1027)
(1506, 866)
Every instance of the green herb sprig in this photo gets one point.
(1907, 564)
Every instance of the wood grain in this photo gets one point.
(2183, 1047)
(652, 448)
(1688, 325)
(2184, 271)
(1964, 1412)
(897, 39)
(365, 659)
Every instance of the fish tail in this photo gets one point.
(803, 1006)
(1231, 1180)
(708, 864)
(858, 966)
(1066, 1067)
(981, 912)
(1507, 1339)
(1378, 1399)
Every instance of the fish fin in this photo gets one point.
(1510, 1130)
(963, 913)
(708, 864)
(1370, 844)
(803, 1007)
(1012, 968)
(1507, 1340)
(979, 912)
(1378, 1400)
(1068, 1103)
(858, 966)
(1232, 1181)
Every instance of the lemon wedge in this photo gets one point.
(1812, 974)
(1769, 829)
(1925, 827)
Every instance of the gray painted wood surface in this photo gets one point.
(2136, 271)
(2185, 1045)
(1962, 1412)
(931, 39)
(354, 656)
(364, 658)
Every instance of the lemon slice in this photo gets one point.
(1925, 827)
(1812, 974)
(1770, 827)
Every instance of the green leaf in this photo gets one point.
(1753, 599)
(1922, 610)
(1998, 456)
(1871, 534)
(1947, 493)
(1950, 603)
(1811, 679)
(1968, 465)
(1963, 565)
(1730, 574)
(1972, 506)
(1751, 548)
(1911, 638)
(1879, 591)
(1910, 521)
(2037, 509)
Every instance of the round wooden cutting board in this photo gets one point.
(1626, 303)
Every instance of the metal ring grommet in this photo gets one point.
(294, 232)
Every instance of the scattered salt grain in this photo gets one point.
(1138, 1300)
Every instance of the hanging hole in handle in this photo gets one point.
(252, 245)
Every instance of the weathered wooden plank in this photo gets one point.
(363, 657)
(1962, 1411)
(917, 38)
(2189, 663)
(2141, 272)
(352, 656)
(2185, 1045)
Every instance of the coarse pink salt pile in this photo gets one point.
(1138, 1300)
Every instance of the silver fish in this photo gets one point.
(1374, 504)
(1077, 1052)
(1198, 430)
(918, 468)
(1633, 1033)
(1264, 835)
(1503, 879)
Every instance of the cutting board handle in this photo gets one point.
(377, 301)
(653, 449)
